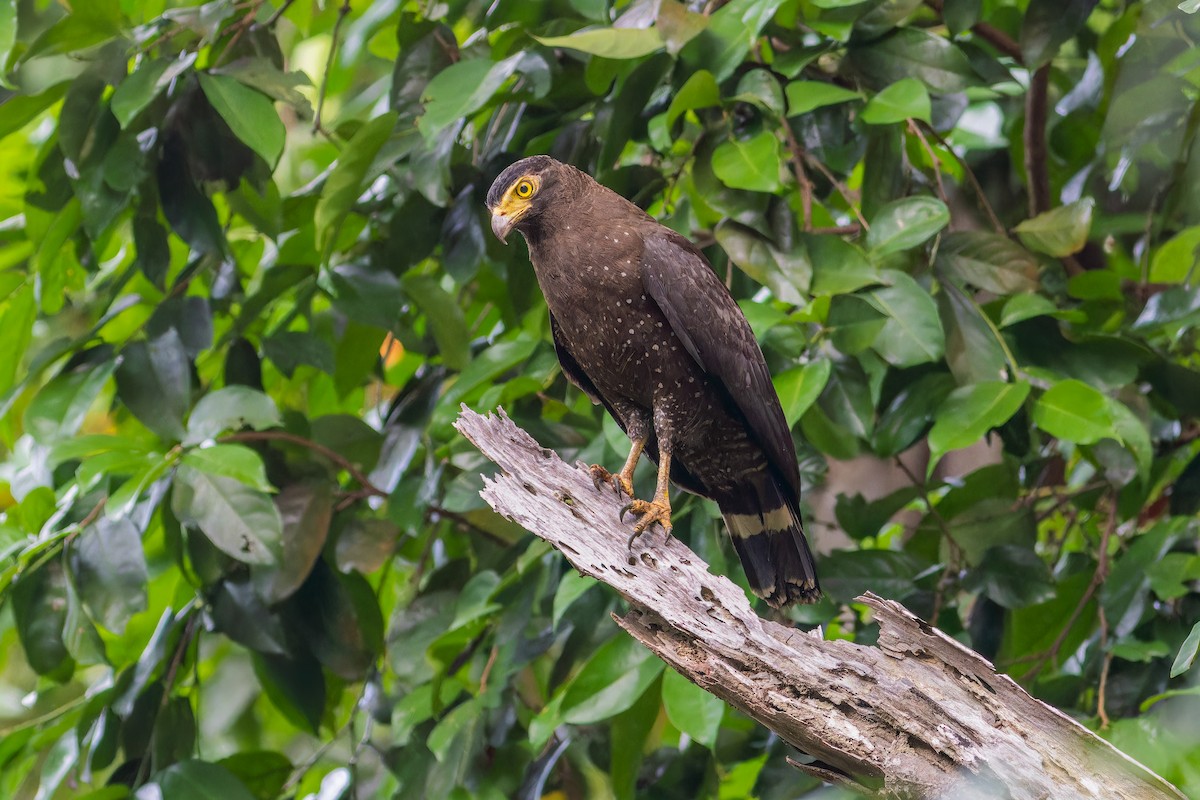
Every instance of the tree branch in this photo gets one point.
(917, 716)
(1036, 172)
(990, 34)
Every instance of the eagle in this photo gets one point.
(643, 325)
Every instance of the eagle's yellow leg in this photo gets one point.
(623, 480)
(656, 510)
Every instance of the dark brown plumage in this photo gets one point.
(643, 325)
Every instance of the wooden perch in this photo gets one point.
(917, 716)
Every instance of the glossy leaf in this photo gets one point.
(231, 461)
(753, 164)
(905, 224)
(1074, 411)
(971, 411)
(800, 387)
(154, 380)
(988, 261)
(250, 115)
(1060, 231)
(240, 521)
(109, 571)
(230, 408)
(345, 182)
(806, 96)
(905, 99)
(619, 43)
(691, 709)
(912, 332)
(611, 680)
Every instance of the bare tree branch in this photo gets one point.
(917, 716)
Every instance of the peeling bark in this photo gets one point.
(916, 716)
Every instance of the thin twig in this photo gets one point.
(1101, 710)
(837, 185)
(333, 48)
(279, 12)
(316, 447)
(806, 187)
(952, 565)
(934, 158)
(970, 173)
(1098, 577)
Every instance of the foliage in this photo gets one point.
(246, 282)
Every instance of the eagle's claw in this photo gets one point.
(620, 483)
(648, 513)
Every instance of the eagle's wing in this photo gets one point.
(707, 321)
(573, 371)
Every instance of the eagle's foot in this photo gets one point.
(648, 513)
(619, 481)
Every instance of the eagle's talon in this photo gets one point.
(601, 476)
(648, 513)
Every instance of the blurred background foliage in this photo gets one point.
(246, 281)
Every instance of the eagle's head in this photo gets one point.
(524, 191)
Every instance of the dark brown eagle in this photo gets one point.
(643, 325)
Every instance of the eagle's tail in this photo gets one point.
(769, 538)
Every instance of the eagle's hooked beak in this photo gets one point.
(501, 225)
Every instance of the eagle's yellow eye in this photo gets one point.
(524, 189)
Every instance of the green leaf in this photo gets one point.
(306, 510)
(1074, 411)
(109, 571)
(242, 522)
(1012, 575)
(619, 43)
(987, 261)
(154, 380)
(264, 772)
(1176, 260)
(570, 588)
(787, 274)
(698, 91)
(1171, 576)
(39, 605)
(610, 682)
(150, 79)
(974, 348)
(910, 414)
(1187, 652)
(261, 74)
(444, 315)
(1060, 231)
(59, 407)
(294, 685)
(691, 709)
(839, 267)
(752, 164)
(8, 37)
(462, 89)
(345, 182)
(905, 99)
(912, 52)
(230, 408)
(1048, 24)
(1025, 306)
(806, 96)
(231, 461)
(250, 114)
(971, 411)
(195, 780)
(799, 388)
(905, 223)
(912, 333)
(732, 31)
